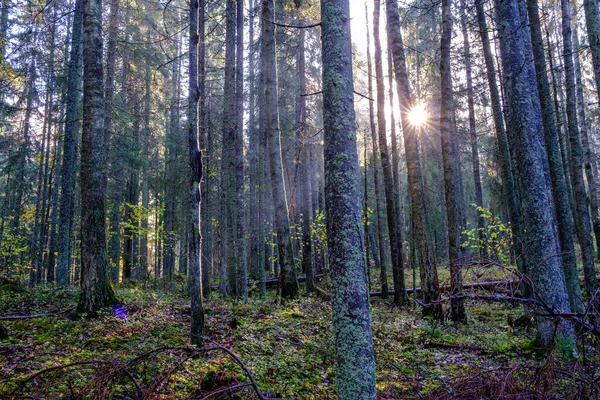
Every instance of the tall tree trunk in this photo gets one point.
(473, 129)
(96, 290)
(508, 181)
(116, 196)
(205, 142)
(143, 267)
(194, 179)
(170, 190)
(69, 157)
(583, 225)
(375, 166)
(427, 268)
(452, 173)
(559, 188)
(287, 277)
(228, 157)
(585, 143)
(388, 176)
(242, 268)
(305, 173)
(541, 237)
(355, 364)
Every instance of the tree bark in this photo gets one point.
(543, 263)
(355, 364)
(559, 187)
(583, 226)
(508, 181)
(96, 290)
(451, 161)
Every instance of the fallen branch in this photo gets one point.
(227, 389)
(477, 285)
(550, 312)
(274, 281)
(18, 317)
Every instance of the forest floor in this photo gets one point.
(288, 349)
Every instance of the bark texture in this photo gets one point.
(355, 365)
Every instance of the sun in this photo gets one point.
(417, 115)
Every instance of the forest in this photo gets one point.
(299, 199)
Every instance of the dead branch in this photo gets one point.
(226, 390)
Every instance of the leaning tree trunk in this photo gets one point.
(583, 224)
(192, 202)
(96, 290)
(452, 173)
(355, 364)
(388, 176)
(287, 277)
(541, 242)
(559, 186)
(427, 267)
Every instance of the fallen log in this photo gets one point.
(511, 283)
(477, 285)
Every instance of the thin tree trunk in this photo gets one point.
(473, 130)
(583, 225)
(289, 285)
(194, 179)
(585, 142)
(375, 166)
(242, 268)
(388, 176)
(451, 161)
(427, 267)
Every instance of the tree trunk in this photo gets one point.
(427, 267)
(508, 181)
(473, 130)
(194, 179)
(585, 143)
(583, 225)
(355, 364)
(375, 166)
(240, 239)
(289, 285)
(451, 161)
(559, 188)
(388, 176)
(541, 243)
(96, 290)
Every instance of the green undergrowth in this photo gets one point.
(288, 348)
